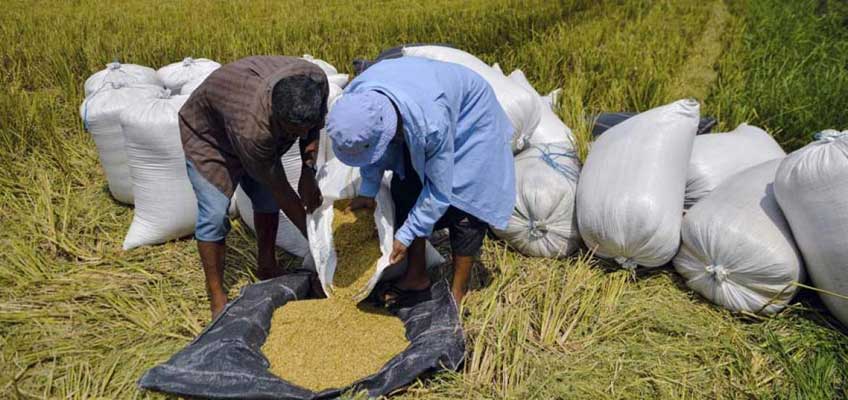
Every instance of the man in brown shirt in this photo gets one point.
(234, 128)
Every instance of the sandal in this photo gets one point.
(395, 297)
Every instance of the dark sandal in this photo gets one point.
(403, 298)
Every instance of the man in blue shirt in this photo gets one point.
(439, 128)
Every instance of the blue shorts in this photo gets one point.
(213, 223)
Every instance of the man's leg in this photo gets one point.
(212, 257)
(461, 272)
(211, 230)
(466, 237)
(266, 237)
(266, 218)
(415, 277)
(405, 193)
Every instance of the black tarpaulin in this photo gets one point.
(226, 360)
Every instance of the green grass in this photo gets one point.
(786, 70)
(80, 318)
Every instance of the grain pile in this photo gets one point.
(357, 249)
(331, 343)
(327, 343)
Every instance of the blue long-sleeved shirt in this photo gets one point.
(458, 137)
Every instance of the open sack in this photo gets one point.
(226, 362)
(338, 181)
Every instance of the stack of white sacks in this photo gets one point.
(131, 112)
(741, 221)
(734, 246)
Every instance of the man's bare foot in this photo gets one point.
(406, 284)
(458, 295)
(217, 303)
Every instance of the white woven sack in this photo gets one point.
(552, 99)
(339, 181)
(289, 237)
(333, 75)
(737, 249)
(175, 76)
(544, 222)
(630, 197)
(717, 156)
(523, 107)
(551, 129)
(812, 188)
(165, 204)
(193, 84)
(122, 75)
(325, 144)
(100, 114)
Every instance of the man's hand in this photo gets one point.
(398, 252)
(360, 202)
(308, 190)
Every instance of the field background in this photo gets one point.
(79, 318)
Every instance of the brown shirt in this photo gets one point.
(226, 125)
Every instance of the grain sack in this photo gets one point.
(630, 197)
(543, 223)
(357, 248)
(552, 99)
(175, 76)
(604, 121)
(232, 210)
(193, 84)
(737, 249)
(325, 144)
(121, 75)
(333, 75)
(523, 107)
(811, 186)
(551, 129)
(289, 237)
(718, 156)
(165, 205)
(338, 181)
(100, 114)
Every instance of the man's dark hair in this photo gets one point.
(299, 100)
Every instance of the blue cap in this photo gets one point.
(361, 125)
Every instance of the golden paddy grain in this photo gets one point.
(331, 343)
(357, 249)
